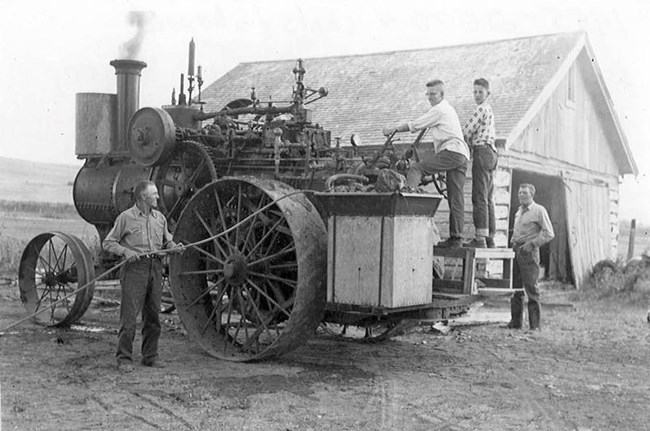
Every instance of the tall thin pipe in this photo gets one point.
(128, 97)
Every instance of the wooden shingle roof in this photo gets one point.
(369, 91)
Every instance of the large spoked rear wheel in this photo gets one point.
(257, 289)
(52, 267)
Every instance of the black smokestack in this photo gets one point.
(128, 96)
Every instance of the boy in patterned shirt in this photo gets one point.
(479, 134)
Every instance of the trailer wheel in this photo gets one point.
(368, 332)
(52, 266)
(257, 289)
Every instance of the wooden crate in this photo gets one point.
(380, 248)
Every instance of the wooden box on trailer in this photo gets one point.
(380, 248)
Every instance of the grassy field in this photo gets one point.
(22, 180)
(22, 221)
(641, 238)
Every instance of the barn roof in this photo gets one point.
(369, 91)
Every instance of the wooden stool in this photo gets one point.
(467, 284)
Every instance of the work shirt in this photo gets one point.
(479, 129)
(444, 128)
(532, 224)
(139, 232)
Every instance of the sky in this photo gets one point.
(51, 50)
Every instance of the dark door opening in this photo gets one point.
(549, 192)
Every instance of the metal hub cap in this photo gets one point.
(235, 269)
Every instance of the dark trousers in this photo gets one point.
(141, 292)
(455, 166)
(525, 274)
(484, 166)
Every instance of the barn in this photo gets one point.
(555, 122)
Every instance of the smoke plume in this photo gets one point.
(131, 49)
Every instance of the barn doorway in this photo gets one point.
(555, 260)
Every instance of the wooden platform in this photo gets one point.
(470, 284)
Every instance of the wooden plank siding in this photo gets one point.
(587, 209)
(570, 132)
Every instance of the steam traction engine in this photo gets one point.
(268, 263)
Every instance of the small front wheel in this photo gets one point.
(53, 266)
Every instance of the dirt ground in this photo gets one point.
(588, 369)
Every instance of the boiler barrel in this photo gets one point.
(103, 188)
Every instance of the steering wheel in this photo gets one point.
(439, 180)
(332, 180)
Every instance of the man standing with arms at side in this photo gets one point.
(479, 134)
(139, 230)
(451, 155)
(532, 229)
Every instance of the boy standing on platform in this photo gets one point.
(479, 134)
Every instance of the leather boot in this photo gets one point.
(516, 311)
(534, 314)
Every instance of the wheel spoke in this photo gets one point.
(288, 282)
(206, 292)
(50, 251)
(184, 170)
(285, 266)
(275, 225)
(57, 256)
(264, 325)
(46, 291)
(272, 242)
(230, 310)
(221, 215)
(242, 320)
(64, 292)
(211, 234)
(204, 271)
(197, 171)
(215, 315)
(46, 264)
(238, 215)
(270, 299)
(65, 255)
(286, 250)
(218, 306)
(255, 213)
(174, 209)
(212, 317)
(277, 292)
